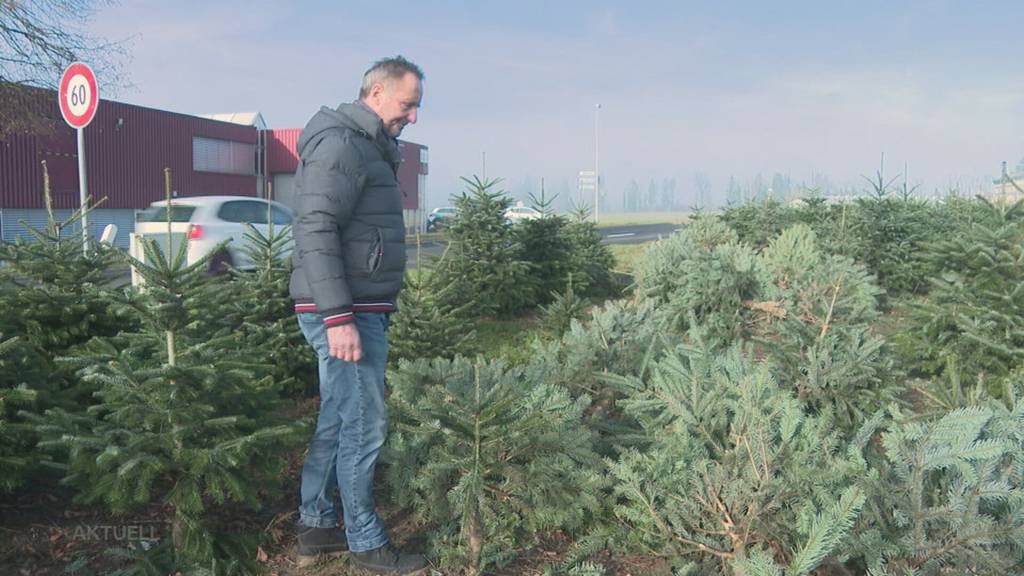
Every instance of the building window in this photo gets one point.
(423, 156)
(223, 156)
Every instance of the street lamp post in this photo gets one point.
(597, 165)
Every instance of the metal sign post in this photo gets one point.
(83, 192)
(79, 96)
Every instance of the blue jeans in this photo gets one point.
(349, 433)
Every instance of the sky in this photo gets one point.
(728, 90)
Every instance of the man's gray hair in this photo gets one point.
(387, 69)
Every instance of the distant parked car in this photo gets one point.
(206, 221)
(519, 213)
(440, 217)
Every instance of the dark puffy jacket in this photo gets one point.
(349, 232)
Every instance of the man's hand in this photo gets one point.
(343, 342)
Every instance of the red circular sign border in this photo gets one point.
(85, 119)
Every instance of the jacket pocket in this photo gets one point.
(376, 253)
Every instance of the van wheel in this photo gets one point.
(220, 262)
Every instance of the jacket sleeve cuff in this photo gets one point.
(338, 317)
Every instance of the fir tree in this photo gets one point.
(17, 439)
(495, 458)
(565, 307)
(483, 261)
(254, 310)
(887, 233)
(590, 260)
(815, 318)
(832, 223)
(55, 296)
(950, 499)
(622, 337)
(177, 419)
(427, 325)
(702, 276)
(58, 298)
(757, 222)
(544, 243)
(810, 313)
(974, 314)
(893, 234)
(736, 474)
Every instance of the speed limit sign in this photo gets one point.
(79, 94)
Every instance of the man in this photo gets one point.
(349, 261)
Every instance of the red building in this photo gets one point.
(282, 160)
(127, 148)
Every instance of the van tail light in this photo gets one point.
(195, 232)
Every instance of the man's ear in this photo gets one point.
(377, 89)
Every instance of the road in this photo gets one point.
(634, 234)
(637, 233)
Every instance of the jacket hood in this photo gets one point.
(355, 116)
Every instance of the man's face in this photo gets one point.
(397, 102)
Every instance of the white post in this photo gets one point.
(135, 249)
(83, 191)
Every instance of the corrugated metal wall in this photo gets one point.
(14, 223)
(126, 149)
(281, 145)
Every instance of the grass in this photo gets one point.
(410, 239)
(507, 338)
(629, 218)
(511, 338)
(626, 255)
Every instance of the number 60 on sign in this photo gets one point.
(79, 95)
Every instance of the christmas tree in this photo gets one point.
(565, 307)
(56, 296)
(757, 222)
(590, 260)
(254, 312)
(177, 419)
(814, 319)
(702, 276)
(482, 263)
(428, 323)
(735, 473)
(972, 318)
(495, 458)
(17, 439)
(950, 498)
(545, 244)
(621, 339)
(893, 233)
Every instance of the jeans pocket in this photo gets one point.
(312, 326)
